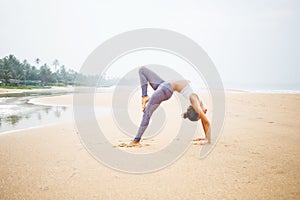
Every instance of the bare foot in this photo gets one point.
(145, 100)
(134, 144)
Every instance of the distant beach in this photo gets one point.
(51, 89)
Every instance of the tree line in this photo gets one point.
(15, 72)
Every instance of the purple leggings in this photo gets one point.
(163, 91)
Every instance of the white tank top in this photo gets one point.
(190, 89)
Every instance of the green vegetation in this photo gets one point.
(22, 75)
(16, 74)
(20, 87)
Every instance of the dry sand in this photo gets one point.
(257, 157)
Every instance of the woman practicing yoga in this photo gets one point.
(163, 91)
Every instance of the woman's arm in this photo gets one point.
(198, 107)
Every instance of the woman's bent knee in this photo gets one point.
(142, 69)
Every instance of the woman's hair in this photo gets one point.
(191, 114)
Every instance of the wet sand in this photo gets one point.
(52, 89)
(257, 157)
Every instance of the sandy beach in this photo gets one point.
(256, 157)
(52, 89)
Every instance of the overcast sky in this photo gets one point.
(249, 41)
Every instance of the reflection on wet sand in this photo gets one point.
(14, 119)
(16, 112)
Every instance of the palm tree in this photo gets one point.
(5, 70)
(63, 74)
(37, 61)
(25, 69)
(45, 74)
(55, 63)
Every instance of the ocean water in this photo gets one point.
(291, 88)
(276, 88)
(17, 113)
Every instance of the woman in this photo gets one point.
(163, 91)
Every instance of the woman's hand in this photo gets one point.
(145, 100)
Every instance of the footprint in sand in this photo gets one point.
(200, 143)
(129, 146)
(122, 145)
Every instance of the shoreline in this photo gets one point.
(52, 89)
(64, 100)
(109, 90)
(67, 99)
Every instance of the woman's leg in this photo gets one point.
(146, 75)
(163, 93)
